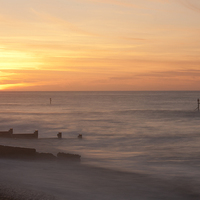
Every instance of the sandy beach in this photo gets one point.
(62, 181)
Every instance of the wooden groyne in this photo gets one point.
(9, 134)
(10, 152)
(16, 152)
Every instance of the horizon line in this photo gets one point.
(100, 91)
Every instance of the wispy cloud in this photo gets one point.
(62, 23)
(175, 73)
(114, 2)
(28, 78)
(190, 73)
(191, 4)
(133, 39)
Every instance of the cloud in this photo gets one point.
(64, 24)
(114, 2)
(175, 73)
(191, 4)
(133, 39)
(27, 71)
(29, 78)
(190, 73)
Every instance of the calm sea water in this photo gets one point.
(149, 132)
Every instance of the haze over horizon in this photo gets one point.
(99, 45)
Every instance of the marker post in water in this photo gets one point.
(50, 101)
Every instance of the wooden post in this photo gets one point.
(59, 135)
(198, 104)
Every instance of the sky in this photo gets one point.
(99, 45)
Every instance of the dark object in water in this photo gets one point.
(59, 135)
(9, 134)
(68, 156)
(17, 152)
(10, 152)
(80, 136)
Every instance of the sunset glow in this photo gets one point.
(97, 45)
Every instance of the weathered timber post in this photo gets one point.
(59, 135)
(10, 132)
(36, 134)
(80, 136)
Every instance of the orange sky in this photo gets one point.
(92, 45)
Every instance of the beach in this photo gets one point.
(64, 180)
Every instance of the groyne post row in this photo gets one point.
(9, 134)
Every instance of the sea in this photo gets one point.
(153, 133)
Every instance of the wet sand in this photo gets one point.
(10, 193)
(63, 180)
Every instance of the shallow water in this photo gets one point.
(154, 133)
